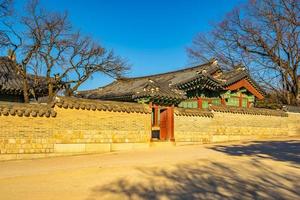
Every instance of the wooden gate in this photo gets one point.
(167, 124)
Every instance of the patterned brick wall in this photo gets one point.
(72, 131)
(84, 126)
(193, 128)
(224, 127)
(26, 134)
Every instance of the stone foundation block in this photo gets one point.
(69, 148)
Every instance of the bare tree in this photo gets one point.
(74, 58)
(49, 46)
(22, 44)
(262, 35)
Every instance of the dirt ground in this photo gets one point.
(252, 170)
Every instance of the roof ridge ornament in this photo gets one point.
(215, 62)
(11, 55)
(240, 67)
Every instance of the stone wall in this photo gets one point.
(76, 126)
(224, 127)
(293, 124)
(73, 130)
(193, 129)
(99, 127)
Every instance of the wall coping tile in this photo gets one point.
(26, 109)
(250, 111)
(193, 112)
(100, 105)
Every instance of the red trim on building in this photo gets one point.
(245, 83)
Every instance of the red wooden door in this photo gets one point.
(163, 125)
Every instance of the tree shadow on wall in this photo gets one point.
(287, 151)
(210, 181)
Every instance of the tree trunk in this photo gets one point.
(293, 98)
(50, 91)
(25, 90)
(69, 92)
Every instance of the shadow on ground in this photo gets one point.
(287, 151)
(220, 178)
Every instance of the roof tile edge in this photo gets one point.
(26, 110)
(249, 111)
(101, 105)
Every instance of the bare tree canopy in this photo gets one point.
(5, 7)
(262, 35)
(45, 43)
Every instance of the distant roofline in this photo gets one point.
(30, 75)
(194, 66)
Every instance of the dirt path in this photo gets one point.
(256, 170)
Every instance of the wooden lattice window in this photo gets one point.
(205, 103)
(233, 101)
(244, 102)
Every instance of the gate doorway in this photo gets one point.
(163, 123)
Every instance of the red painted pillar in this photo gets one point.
(199, 102)
(151, 106)
(223, 102)
(248, 103)
(241, 100)
(155, 115)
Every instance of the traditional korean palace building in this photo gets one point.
(196, 87)
(196, 105)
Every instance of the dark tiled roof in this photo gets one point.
(170, 85)
(26, 110)
(201, 81)
(193, 112)
(101, 105)
(159, 90)
(12, 83)
(230, 77)
(160, 85)
(251, 111)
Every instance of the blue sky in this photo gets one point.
(152, 35)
